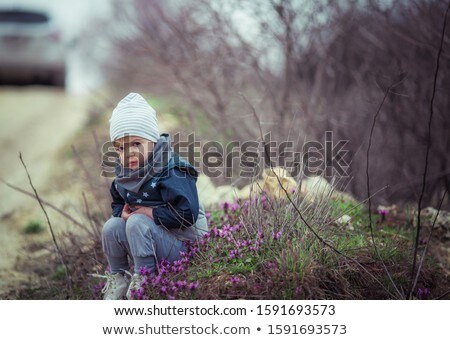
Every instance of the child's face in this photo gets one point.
(133, 151)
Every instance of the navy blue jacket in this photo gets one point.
(172, 193)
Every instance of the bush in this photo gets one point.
(33, 227)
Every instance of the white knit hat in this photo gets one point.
(133, 116)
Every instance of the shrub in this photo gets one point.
(33, 227)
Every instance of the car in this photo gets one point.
(31, 48)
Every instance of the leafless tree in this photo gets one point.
(307, 67)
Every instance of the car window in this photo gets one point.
(25, 17)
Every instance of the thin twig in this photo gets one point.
(346, 212)
(89, 181)
(48, 204)
(88, 215)
(388, 90)
(68, 276)
(430, 120)
(443, 295)
(266, 153)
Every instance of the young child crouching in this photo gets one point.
(155, 206)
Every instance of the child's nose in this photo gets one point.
(134, 149)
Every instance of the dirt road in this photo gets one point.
(37, 122)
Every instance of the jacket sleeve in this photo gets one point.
(117, 203)
(179, 191)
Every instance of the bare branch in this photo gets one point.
(425, 171)
(68, 276)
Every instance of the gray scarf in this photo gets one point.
(132, 180)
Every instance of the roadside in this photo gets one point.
(37, 122)
(42, 124)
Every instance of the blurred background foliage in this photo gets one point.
(307, 67)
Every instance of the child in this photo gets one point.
(155, 203)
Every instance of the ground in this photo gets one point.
(41, 124)
(37, 122)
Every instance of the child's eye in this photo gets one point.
(136, 143)
(119, 148)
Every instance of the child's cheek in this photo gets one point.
(142, 158)
(121, 158)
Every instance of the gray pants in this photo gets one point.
(144, 241)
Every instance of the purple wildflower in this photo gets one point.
(164, 263)
(271, 265)
(193, 285)
(236, 227)
(246, 207)
(140, 293)
(156, 280)
(422, 294)
(233, 253)
(276, 235)
(146, 271)
(234, 207)
(235, 279)
(97, 289)
(224, 206)
(181, 284)
(383, 212)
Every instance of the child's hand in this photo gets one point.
(148, 211)
(126, 211)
